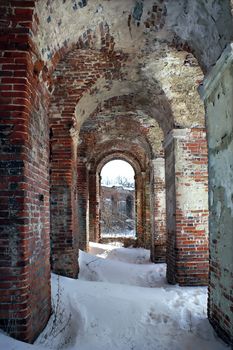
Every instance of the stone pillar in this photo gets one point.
(187, 207)
(159, 240)
(217, 92)
(83, 205)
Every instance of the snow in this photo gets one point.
(126, 233)
(121, 301)
(108, 182)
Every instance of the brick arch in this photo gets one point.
(142, 178)
(51, 21)
(86, 79)
(126, 156)
(128, 121)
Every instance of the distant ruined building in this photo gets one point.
(117, 211)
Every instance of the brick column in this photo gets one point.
(159, 239)
(139, 201)
(83, 205)
(147, 233)
(187, 207)
(25, 304)
(93, 215)
(63, 204)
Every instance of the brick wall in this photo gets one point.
(63, 206)
(73, 77)
(93, 207)
(24, 189)
(83, 205)
(187, 207)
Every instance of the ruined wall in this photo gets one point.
(63, 203)
(187, 207)
(217, 92)
(24, 187)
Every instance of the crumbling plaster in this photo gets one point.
(217, 92)
(134, 128)
(206, 26)
(172, 99)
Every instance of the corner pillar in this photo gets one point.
(217, 92)
(187, 207)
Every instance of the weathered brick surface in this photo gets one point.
(64, 240)
(187, 207)
(83, 205)
(94, 207)
(74, 77)
(24, 191)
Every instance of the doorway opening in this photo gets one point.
(117, 200)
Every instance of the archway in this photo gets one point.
(142, 201)
(117, 201)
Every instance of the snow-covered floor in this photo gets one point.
(121, 301)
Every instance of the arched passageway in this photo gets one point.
(117, 200)
(79, 83)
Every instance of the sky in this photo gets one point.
(116, 168)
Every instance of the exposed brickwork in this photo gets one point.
(24, 210)
(143, 199)
(64, 240)
(116, 137)
(94, 204)
(83, 205)
(187, 207)
(74, 76)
